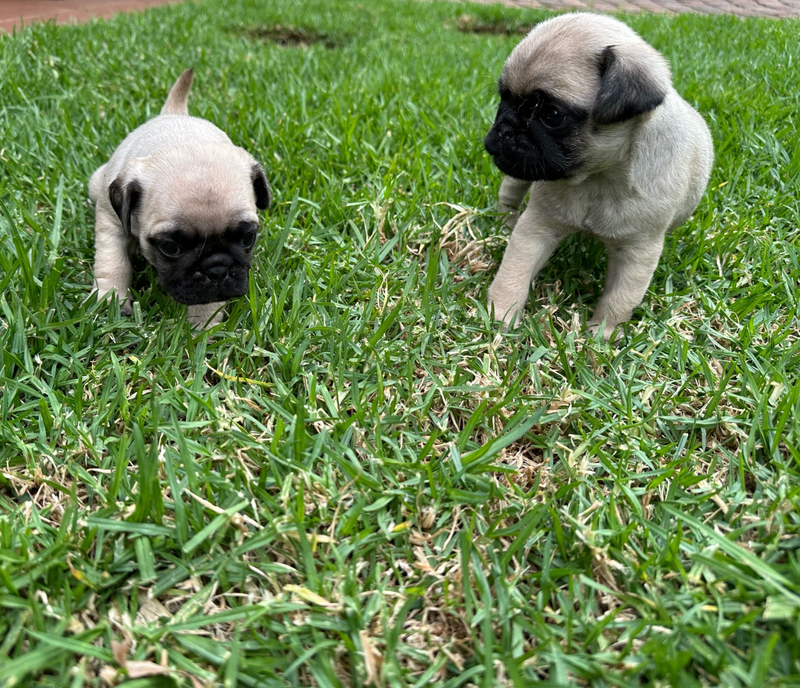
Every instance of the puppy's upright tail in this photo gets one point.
(178, 98)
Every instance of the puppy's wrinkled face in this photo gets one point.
(564, 89)
(199, 264)
(194, 213)
(536, 136)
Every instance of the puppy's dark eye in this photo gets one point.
(248, 238)
(552, 117)
(169, 248)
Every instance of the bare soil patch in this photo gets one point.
(292, 36)
(466, 23)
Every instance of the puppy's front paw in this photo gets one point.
(511, 215)
(610, 318)
(107, 293)
(610, 331)
(205, 316)
(506, 306)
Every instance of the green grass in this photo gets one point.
(355, 478)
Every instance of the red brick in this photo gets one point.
(747, 8)
(22, 12)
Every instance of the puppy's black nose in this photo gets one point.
(217, 272)
(216, 267)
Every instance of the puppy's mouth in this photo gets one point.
(509, 164)
(200, 288)
(214, 278)
(520, 161)
(533, 141)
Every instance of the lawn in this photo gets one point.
(355, 479)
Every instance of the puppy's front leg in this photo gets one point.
(512, 193)
(631, 265)
(205, 315)
(112, 266)
(529, 247)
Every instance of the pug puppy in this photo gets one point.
(180, 192)
(590, 124)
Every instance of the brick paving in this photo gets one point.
(15, 13)
(743, 8)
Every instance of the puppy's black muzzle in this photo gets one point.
(205, 289)
(506, 152)
(216, 267)
(504, 133)
(508, 144)
(218, 277)
(523, 147)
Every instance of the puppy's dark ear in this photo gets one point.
(260, 186)
(124, 197)
(634, 79)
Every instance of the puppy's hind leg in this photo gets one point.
(631, 265)
(205, 315)
(529, 247)
(512, 193)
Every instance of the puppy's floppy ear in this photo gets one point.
(260, 186)
(124, 197)
(634, 79)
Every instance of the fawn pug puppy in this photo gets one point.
(178, 190)
(590, 124)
